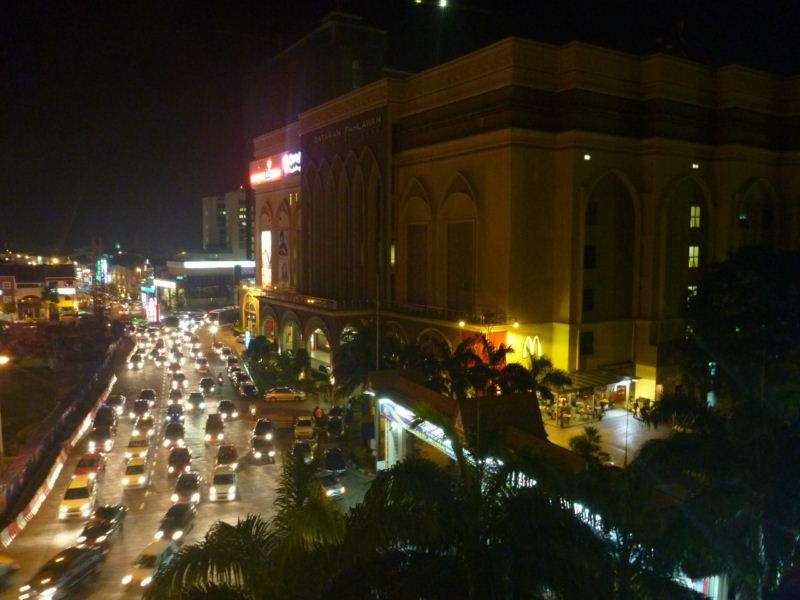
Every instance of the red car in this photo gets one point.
(91, 464)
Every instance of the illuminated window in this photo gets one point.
(392, 255)
(694, 256)
(694, 217)
(586, 343)
(744, 219)
(712, 368)
(692, 289)
(589, 257)
(588, 300)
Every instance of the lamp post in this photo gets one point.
(214, 330)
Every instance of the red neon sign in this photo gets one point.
(274, 168)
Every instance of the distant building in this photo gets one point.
(22, 286)
(227, 224)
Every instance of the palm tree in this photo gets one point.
(588, 446)
(262, 559)
(473, 369)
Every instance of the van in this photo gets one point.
(79, 499)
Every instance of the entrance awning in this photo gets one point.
(584, 380)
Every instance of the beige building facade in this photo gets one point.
(563, 200)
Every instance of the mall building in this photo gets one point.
(560, 199)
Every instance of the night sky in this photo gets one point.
(119, 116)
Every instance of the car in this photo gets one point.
(179, 381)
(174, 435)
(141, 408)
(137, 474)
(178, 357)
(227, 455)
(144, 426)
(214, 429)
(117, 403)
(332, 485)
(224, 353)
(103, 524)
(174, 367)
(306, 448)
(179, 460)
(153, 355)
(227, 409)
(160, 345)
(187, 488)
(62, 573)
(334, 428)
(79, 498)
(233, 372)
(223, 484)
(195, 402)
(248, 389)
(101, 439)
(262, 449)
(335, 461)
(264, 429)
(177, 522)
(175, 414)
(175, 397)
(303, 427)
(239, 378)
(207, 385)
(150, 395)
(201, 364)
(136, 362)
(138, 446)
(106, 417)
(284, 393)
(155, 556)
(217, 346)
(232, 362)
(92, 464)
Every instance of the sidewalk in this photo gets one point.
(619, 430)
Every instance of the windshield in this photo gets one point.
(87, 462)
(263, 427)
(76, 493)
(134, 470)
(185, 484)
(223, 479)
(138, 444)
(304, 422)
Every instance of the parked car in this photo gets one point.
(284, 393)
(334, 428)
(248, 389)
(223, 484)
(187, 488)
(303, 427)
(335, 461)
(177, 522)
(306, 448)
(155, 556)
(63, 573)
(333, 486)
(179, 460)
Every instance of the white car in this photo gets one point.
(152, 558)
(284, 393)
(223, 484)
(303, 427)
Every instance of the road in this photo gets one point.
(45, 535)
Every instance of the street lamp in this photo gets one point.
(214, 330)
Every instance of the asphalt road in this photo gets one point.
(45, 535)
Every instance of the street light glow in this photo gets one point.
(4, 360)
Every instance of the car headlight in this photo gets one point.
(235, 466)
(85, 506)
(212, 491)
(130, 366)
(127, 579)
(170, 469)
(221, 436)
(208, 437)
(63, 509)
(159, 534)
(165, 443)
(177, 535)
(180, 443)
(136, 432)
(142, 479)
(132, 415)
(81, 539)
(272, 452)
(92, 446)
(329, 492)
(202, 405)
(234, 414)
(174, 498)
(108, 445)
(257, 454)
(187, 468)
(269, 436)
(49, 592)
(101, 539)
(128, 455)
(253, 411)
(146, 581)
(341, 489)
(125, 481)
(24, 588)
(91, 476)
(196, 497)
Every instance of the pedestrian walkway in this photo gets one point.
(622, 434)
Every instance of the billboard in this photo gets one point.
(266, 258)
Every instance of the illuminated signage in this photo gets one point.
(274, 167)
(66, 291)
(266, 258)
(219, 264)
(532, 347)
(164, 283)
